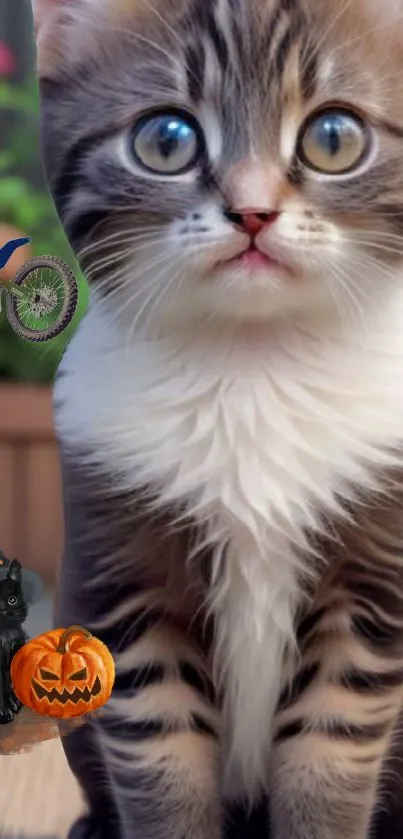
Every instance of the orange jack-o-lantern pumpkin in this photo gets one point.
(63, 673)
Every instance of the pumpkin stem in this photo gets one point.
(63, 644)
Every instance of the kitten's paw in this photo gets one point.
(15, 703)
(6, 716)
(85, 828)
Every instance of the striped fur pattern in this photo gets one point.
(231, 440)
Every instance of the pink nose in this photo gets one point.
(252, 221)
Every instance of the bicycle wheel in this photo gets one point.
(50, 303)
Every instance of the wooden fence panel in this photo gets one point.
(30, 497)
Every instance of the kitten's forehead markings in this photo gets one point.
(212, 72)
(326, 71)
(224, 18)
(292, 105)
(180, 77)
(210, 121)
(278, 30)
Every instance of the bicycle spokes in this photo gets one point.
(42, 300)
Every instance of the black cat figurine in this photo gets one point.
(13, 613)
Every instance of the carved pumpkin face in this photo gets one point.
(63, 673)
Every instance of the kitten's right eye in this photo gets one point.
(334, 142)
(167, 143)
(12, 600)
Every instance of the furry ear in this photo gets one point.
(46, 20)
(14, 571)
(70, 31)
(67, 30)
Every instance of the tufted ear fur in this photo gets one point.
(70, 31)
(14, 571)
(67, 31)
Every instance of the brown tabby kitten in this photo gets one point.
(230, 412)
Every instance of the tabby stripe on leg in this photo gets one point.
(148, 729)
(192, 677)
(299, 685)
(334, 729)
(378, 592)
(378, 634)
(122, 633)
(308, 624)
(361, 681)
(131, 681)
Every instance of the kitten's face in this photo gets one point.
(13, 609)
(227, 157)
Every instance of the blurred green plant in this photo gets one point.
(29, 208)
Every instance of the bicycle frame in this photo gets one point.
(6, 253)
(12, 288)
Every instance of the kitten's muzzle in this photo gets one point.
(251, 220)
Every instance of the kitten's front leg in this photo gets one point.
(334, 727)
(149, 764)
(14, 703)
(6, 713)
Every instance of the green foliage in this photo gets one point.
(30, 209)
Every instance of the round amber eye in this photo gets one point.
(168, 144)
(334, 142)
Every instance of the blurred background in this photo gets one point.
(39, 797)
(30, 502)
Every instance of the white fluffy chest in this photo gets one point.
(255, 443)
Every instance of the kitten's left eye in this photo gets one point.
(12, 600)
(168, 144)
(334, 142)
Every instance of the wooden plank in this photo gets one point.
(26, 412)
(7, 497)
(56, 516)
(31, 526)
(43, 511)
(20, 535)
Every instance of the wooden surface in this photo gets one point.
(39, 796)
(30, 496)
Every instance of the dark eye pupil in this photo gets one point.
(333, 136)
(169, 137)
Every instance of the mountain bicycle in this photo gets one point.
(42, 298)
